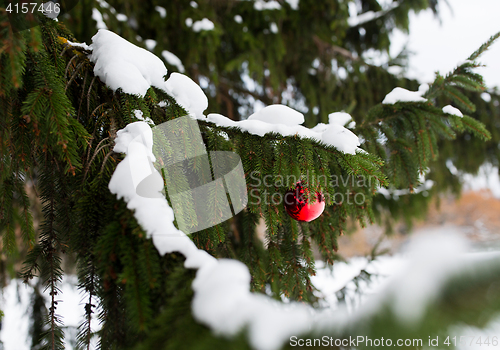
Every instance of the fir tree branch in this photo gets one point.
(483, 47)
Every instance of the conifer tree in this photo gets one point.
(60, 123)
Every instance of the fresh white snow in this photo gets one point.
(97, 16)
(341, 138)
(187, 94)
(399, 94)
(82, 45)
(274, 28)
(162, 11)
(339, 118)
(121, 64)
(286, 121)
(294, 4)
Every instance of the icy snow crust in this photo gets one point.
(222, 298)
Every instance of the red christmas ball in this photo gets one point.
(297, 204)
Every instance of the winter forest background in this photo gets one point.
(88, 263)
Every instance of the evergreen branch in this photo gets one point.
(476, 127)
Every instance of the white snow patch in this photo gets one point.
(341, 138)
(189, 22)
(238, 19)
(285, 121)
(261, 5)
(82, 45)
(121, 64)
(402, 95)
(140, 115)
(150, 44)
(222, 298)
(423, 88)
(369, 15)
(486, 97)
(339, 118)
(173, 60)
(97, 16)
(434, 257)
(278, 114)
(274, 28)
(187, 94)
(162, 11)
(121, 17)
(193, 4)
(204, 24)
(16, 301)
(452, 110)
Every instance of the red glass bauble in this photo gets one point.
(298, 207)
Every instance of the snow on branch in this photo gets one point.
(370, 15)
(173, 60)
(121, 64)
(222, 298)
(453, 111)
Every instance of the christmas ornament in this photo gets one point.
(297, 203)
